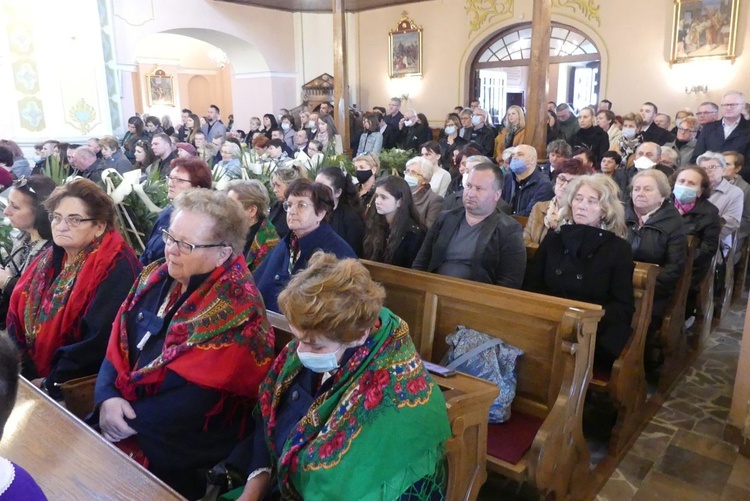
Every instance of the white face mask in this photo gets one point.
(643, 163)
(311, 124)
(628, 132)
(319, 362)
(476, 119)
(451, 129)
(407, 123)
(678, 122)
(464, 178)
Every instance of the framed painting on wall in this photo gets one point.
(704, 29)
(160, 87)
(405, 49)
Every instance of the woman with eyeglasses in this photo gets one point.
(308, 207)
(188, 348)
(186, 174)
(26, 214)
(63, 306)
(543, 215)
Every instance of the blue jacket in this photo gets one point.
(536, 188)
(155, 246)
(273, 273)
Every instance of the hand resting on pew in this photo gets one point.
(112, 414)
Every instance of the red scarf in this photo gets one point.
(46, 310)
(219, 338)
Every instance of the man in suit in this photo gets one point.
(731, 133)
(651, 132)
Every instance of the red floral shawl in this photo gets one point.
(45, 311)
(219, 338)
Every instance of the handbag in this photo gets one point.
(78, 395)
(488, 358)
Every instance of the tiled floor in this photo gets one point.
(680, 455)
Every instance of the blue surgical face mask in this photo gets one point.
(475, 119)
(311, 124)
(685, 194)
(319, 362)
(517, 166)
(628, 132)
(412, 181)
(285, 127)
(451, 129)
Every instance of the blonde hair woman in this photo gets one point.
(514, 132)
(588, 259)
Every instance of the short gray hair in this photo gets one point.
(251, 193)
(712, 155)
(662, 183)
(425, 167)
(230, 225)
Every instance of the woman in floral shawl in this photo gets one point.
(347, 410)
(62, 308)
(188, 349)
(253, 197)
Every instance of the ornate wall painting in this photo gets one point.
(704, 29)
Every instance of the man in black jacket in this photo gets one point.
(482, 135)
(413, 132)
(731, 133)
(651, 132)
(476, 242)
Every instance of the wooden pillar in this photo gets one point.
(340, 73)
(536, 97)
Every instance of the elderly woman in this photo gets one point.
(26, 213)
(610, 162)
(188, 348)
(62, 308)
(656, 233)
(371, 140)
(329, 136)
(417, 174)
(253, 197)
(316, 444)
(690, 193)
(186, 174)
(544, 215)
(393, 235)
(513, 134)
(230, 167)
(586, 258)
(346, 218)
(631, 138)
(280, 181)
(308, 206)
(114, 158)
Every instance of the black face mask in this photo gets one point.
(363, 176)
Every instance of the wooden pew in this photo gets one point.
(740, 272)
(468, 400)
(68, 459)
(672, 330)
(557, 336)
(704, 309)
(625, 383)
(725, 299)
(522, 220)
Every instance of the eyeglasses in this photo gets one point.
(561, 180)
(21, 182)
(730, 105)
(298, 206)
(185, 248)
(711, 167)
(71, 221)
(706, 113)
(167, 179)
(682, 129)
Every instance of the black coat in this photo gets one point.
(484, 139)
(595, 139)
(711, 138)
(655, 134)
(446, 150)
(390, 136)
(663, 241)
(409, 246)
(415, 136)
(277, 215)
(348, 224)
(703, 222)
(500, 256)
(589, 264)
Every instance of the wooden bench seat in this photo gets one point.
(704, 308)
(740, 272)
(726, 287)
(68, 459)
(557, 336)
(468, 401)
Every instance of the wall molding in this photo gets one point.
(264, 74)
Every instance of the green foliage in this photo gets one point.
(54, 169)
(6, 238)
(393, 161)
(134, 218)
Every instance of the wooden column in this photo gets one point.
(536, 96)
(340, 73)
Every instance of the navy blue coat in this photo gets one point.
(155, 246)
(273, 273)
(536, 188)
(711, 138)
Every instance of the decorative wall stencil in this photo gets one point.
(81, 116)
(588, 8)
(23, 61)
(31, 114)
(482, 11)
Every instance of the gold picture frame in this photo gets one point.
(405, 49)
(704, 29)
(160, 88)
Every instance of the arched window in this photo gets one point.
(500, 69)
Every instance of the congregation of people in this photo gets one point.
(178, 336)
